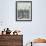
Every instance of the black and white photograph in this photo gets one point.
(23, 10)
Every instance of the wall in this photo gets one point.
(31, 30)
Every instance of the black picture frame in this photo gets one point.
(31, 43)
(26, 11)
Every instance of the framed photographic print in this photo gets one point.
(38, 44)
(23, 10)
